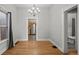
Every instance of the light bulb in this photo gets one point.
(39, 11)
(37, 8)
(33, 8)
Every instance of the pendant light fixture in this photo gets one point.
(34, 10)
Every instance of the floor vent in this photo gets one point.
(54, 46)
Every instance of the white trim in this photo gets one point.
(21, 40)
(26, 23)
(3, 10)
(56, 45)
(37, 29)
(78, 30)
(42, 40)
(1, 41)
(16, 41)
(27, 40)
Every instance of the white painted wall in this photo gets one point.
(22, 24)
(57, 24)
(9, 8)
(43, 23)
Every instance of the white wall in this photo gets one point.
(57, 24)
(22, 24)
(43, 24)
(9, 8)
(43, 21)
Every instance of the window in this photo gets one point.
(3, 26)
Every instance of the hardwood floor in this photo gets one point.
(33, 48)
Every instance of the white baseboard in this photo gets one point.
(15, 41)
(51, 42)
(36, 40)
(42, 40)
(56, 45)
(22, 40)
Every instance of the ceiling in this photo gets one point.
(30, 5)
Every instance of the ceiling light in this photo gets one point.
(34, 10)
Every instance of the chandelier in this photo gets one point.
(34, 10)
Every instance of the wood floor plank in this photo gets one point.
(34, 48)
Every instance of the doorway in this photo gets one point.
(31, 29)
(70, 28)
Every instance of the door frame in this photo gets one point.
(66, 28)
(36, 29)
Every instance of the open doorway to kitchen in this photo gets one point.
(32, 29)
(70, 27)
